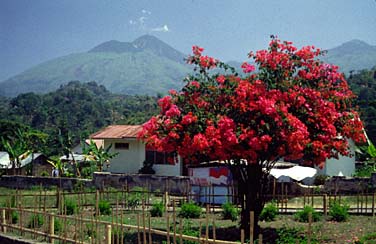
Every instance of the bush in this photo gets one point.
(269, 212)
(302, 215)
(292, 235)
(338, 212)
(190, 210)
(157, 210)
(14, 217)
(57, 226)
(104, 207)
(135, 198)
(229, 211)
(320, 180)
(36, 221)
(70, 206)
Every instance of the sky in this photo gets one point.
(34, 31)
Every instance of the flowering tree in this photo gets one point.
(292, 107)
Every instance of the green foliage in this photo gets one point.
(45, 174)
(70, 114)
(57, 225)
(320, 180)
(365, 170)
(36, 221)
(123, 236)
(269, 212)
(302, 215)
(90, 231)
(135, 197)
(104, 207)
(70, 206)
(99, 155)
(229, 211)
(292, 235)
(157, 210)
(367, 239)
(14, 216)
(190, 210)
(338, 212)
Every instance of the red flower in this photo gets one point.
(247, 68)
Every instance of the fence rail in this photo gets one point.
(43, 215)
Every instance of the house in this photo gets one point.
(132, 153)
(34, 164)
(343, 166)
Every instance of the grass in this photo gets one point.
(324, 231)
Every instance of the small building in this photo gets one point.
(132, 153)
(34, 164)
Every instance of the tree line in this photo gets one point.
(67, 116)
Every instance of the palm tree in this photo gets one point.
(16, 148)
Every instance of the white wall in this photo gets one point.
(344, 165)
(168, 169)
(131, 161)
(128, 160)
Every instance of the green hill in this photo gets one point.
(145, 66)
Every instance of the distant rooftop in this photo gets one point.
(117, 132)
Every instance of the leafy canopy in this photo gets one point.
(294, 106)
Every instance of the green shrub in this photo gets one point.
(320, 180)
(44, 174)
(157, 210)
(134, 199)
(90, 231)
(229, 211)
(369, 238)
(338, 212)
(302, 215)
(190, 210)
(70, 207)
(269, 212)
(57, 226)
(104, 207)
(36, 221)
(14, 217)
(293, 235)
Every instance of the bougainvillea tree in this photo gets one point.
(292, 107)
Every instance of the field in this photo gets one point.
(130, 220)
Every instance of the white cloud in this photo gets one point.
(161, 29)
(145, 12)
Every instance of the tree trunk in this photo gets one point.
(251, 184)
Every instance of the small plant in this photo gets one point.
(44, 174)
(14, 216)
(229, 211)
(90, 231)
(70, 207)
(338, 212)
(302, 215)
(157, 210)
(36, 221)
(320, 180)
(292, 235)
(269, 212)
(135, 198)
(57, 226)
(190, 210)
(104, 207)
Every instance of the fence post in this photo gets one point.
(309, 228)
(325, 204)
(108, 234)
(373, 204)
(3, 221)
(52, 228)
(251, 225)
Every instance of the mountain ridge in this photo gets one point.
(146, 65)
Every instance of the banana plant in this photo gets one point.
(100, 155)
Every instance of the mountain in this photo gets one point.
(145, 66)
(352, 55)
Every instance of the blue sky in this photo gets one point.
(34, 31)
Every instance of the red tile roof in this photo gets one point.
(117, 132)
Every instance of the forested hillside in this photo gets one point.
(73, 112)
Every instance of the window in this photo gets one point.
(121, 146)
(155, 157)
